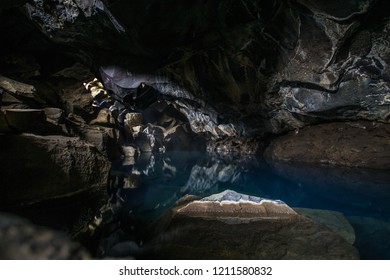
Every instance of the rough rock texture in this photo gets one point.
(21, 240)
(239, 145)
(354, 144)
(47, 167)
(268, 67)
(212, 228)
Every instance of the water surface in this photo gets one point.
(146, 188)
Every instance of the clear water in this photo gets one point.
(145, 189)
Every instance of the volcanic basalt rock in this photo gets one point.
(222, 75)
(258, 66)
(353, 144)
(209, 229)
(43, 168)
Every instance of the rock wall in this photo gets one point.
(273, 66)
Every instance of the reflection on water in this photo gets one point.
(143, 190)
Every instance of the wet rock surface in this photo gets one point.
(353, 144)
(209, 229)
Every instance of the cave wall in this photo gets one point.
(311, 76)
(272, 66)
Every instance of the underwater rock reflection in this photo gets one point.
(143, 190)
(148, 186)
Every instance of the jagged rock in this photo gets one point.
(240, 145)
(211, 228)
(150, 139)
(22, 240)
(357, 144)
(178, 138)
(206, 179)
(106, 139)
(43, 168)
(262, 73)
(104, 118)
(67, 87)
(17, 88)
(334, 220)
(132, 120)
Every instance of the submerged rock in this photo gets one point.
(367, 189)
(334, 220)
(354, 144)
(230, 225)
(372, 237)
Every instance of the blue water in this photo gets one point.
(145, 189)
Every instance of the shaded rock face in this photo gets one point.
(273, 66)
(43, 168)
(353, 144)
(21, 240)
(211, 228)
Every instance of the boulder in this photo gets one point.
(230, 225)
(353, 144)
(43, 168)
(22, 240)
(105, 139)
